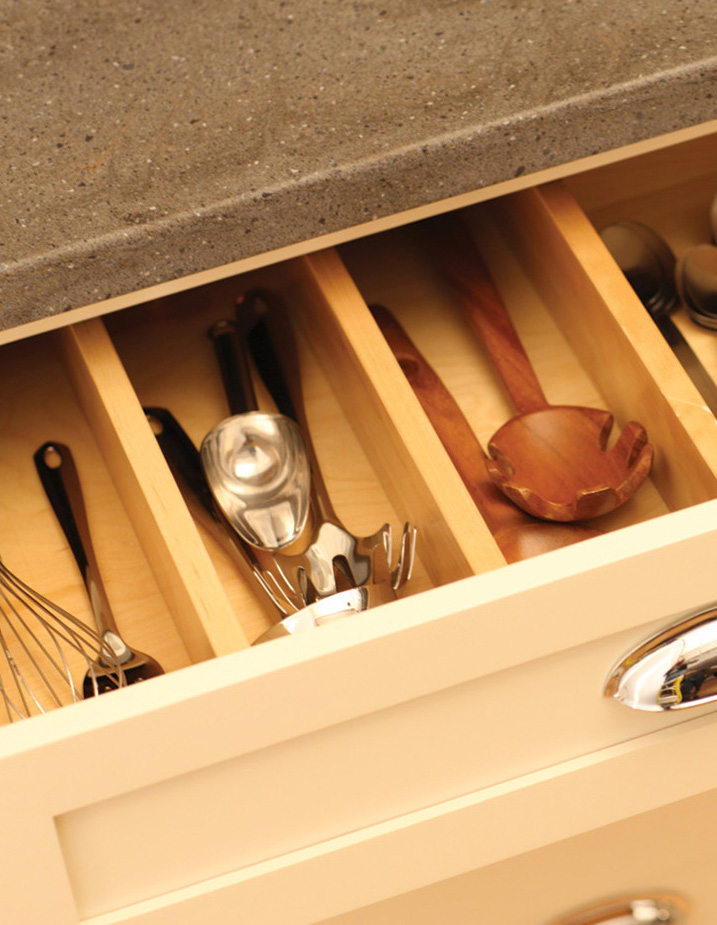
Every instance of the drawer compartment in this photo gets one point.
(589, 339)
(40, 406)
(369, 430)
(184, 377)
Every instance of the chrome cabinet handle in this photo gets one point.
(665, 909)
(673, 669)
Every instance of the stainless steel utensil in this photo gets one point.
(255, 462)
(333, 560)
(257, 566)
(184, 461)
(650, 267)
(59, 478)
(696, 277)
(40, 646)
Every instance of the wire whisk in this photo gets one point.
(42, 647)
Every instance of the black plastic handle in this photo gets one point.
(261, 346)
(58, 474)
(54, 479)
(181, 455)
(234, 367)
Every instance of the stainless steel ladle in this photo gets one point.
(258, 566)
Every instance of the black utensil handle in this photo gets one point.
(261, 346)
(64, 492)
(234, 367)
(54, 480)
(182, 456)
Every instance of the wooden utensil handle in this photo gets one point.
(517, 534)
(463, 268)
(451, 426)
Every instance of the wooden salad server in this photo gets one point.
(550, 460)
(518, 535)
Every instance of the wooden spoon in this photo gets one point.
(518, 535)
(550, 460)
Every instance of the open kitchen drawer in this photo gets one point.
(248, 780)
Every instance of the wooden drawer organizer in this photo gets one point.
(179, 597)
(589, 339)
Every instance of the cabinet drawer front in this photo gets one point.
(480, 674)
(631, 819)
(661, 851)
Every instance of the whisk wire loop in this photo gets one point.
(38, 641)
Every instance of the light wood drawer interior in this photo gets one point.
(177, 594)
(40, 405)
(669, 190)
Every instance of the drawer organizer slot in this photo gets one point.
(590, 340)
(41, 406)
(178, 594)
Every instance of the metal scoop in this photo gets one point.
(258, 566)
(255, 462)
(334, 560)
(58, 475)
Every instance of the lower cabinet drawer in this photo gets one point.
(659, 861)
(245, 767)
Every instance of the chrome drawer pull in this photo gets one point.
(653, 910)
(674, 669)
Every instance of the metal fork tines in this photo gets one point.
(335, 560)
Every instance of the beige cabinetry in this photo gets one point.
(449, 756)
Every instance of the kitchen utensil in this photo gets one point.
(184, 460)
(40, 645)
(287, 603)
(59, 478)
(255, 461)
(333, 560)
(551, 460)
(696, 277)
(518, 535)
(651, 269)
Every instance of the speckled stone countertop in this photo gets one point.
(144, 141)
